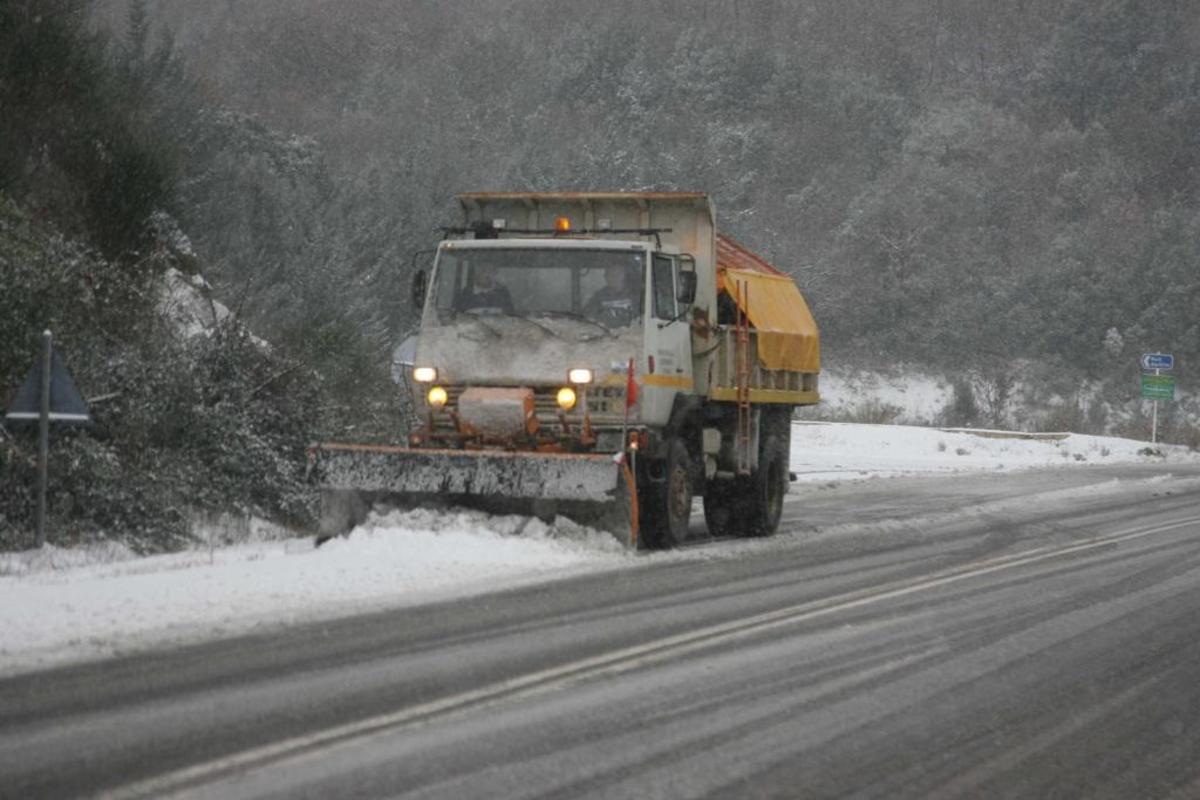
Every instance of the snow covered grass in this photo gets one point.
(56, 607)
(917, 397)
(67, 605)
(821, 450)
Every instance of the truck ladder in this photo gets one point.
(742, 369)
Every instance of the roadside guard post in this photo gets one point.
(48, 395)
(1157, 386)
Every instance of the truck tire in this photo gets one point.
(669, 509)
(753, 505)
(723, 510)
(767, 486)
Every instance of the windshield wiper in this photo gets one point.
(499, 313)
(580, 317)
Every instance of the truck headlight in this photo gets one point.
(579, 376)
(425, 374)
(566, 398)
(437, 397)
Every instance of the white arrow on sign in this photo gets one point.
(1164, 361)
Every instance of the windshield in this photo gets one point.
(601, 286)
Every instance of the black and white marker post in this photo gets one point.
(48, 395)
(44, 436)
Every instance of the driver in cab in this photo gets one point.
(486, 293)
(616, 303)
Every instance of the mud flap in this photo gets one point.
(593, 490)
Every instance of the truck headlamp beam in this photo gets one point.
(437, 397)
(566, 398)
(580, 376)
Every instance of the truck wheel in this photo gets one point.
(768, 485)
(725, 508)
(753, 505)
(667, 525)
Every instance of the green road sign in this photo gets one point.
(1158, 387)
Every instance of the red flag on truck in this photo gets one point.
(631, 388)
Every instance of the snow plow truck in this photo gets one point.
(606, 356)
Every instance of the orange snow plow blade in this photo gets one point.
(593, 490)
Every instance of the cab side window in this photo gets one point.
(449, 277)
(664, 287)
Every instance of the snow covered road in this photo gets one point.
(1031, 633)
(60, 606)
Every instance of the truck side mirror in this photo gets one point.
(685, 288)
(419, 285)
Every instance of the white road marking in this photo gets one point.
(616, 662)
(967, 784)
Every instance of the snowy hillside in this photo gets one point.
(1023, 396)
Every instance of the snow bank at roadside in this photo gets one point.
(57, 609)
(827, 450)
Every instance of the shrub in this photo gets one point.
(874, 412)
(962, 410)
(1067, 416)
(213, 422)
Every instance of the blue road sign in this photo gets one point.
(1163, 361)
(66, 404)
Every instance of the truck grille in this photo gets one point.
(606, 405)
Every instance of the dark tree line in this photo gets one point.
(947, 180)
(103, 142)
(977, 184)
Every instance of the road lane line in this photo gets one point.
(967, 783)
(612, 663)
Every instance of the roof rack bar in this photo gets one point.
(485, 230)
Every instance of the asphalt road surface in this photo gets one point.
(1030, 635)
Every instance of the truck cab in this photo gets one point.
(572, 322)
(599, 286)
